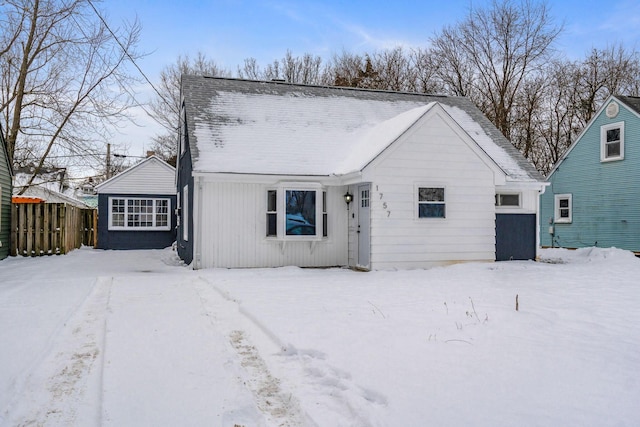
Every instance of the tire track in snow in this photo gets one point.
(71, 371)
(323, 392)
(281, 408)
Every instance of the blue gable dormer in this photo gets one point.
(593, 195)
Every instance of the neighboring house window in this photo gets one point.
(563, 209)
(612, 142)
(508, 200)
(185, 213)
(431, 202)
(272, 213)
(138, 214)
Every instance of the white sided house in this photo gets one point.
(136, 208)
(274, 174)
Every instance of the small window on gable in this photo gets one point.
(431, 202)
(508, 200)
(563, 211)
(612, 142)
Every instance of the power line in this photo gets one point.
(126, 52)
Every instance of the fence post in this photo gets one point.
(15, 211)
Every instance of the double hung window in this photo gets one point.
(563, 208)
(431, 203)
(612, 142)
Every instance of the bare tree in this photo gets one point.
(423, 74)
(488, 55)
(64, 81)
(613, 70)
(165, 107)
(305, 69)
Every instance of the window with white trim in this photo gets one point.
(185, 213)
(612, 142)
(563, 210)
(431, 203)
(508, 200)
(139, 214)
(272, 213)
(296, 213)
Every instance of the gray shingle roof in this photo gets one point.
(632, 102)
(233, 124)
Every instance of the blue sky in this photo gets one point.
(228, 31)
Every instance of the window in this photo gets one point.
(296, 213)
(272, 213)
(325, 229)
(185, 213)
(138, 214)
(563, 208)
(431, 202)
(300, 212)
(508, 200)
(364, 198)
(612, 142)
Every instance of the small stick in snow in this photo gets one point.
(517, 305)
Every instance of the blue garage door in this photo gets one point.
(515, 237)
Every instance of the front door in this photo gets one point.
(364, 249)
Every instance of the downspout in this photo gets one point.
(197, 223)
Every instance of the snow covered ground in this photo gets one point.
(132, 338)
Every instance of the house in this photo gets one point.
(5, 198)
(593, 195)
(274, 174)
(136, 208)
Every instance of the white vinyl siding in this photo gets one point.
(151, 176)
(435, 155)
(236, 216)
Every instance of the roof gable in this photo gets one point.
(150, 176)
(251, 127)
(630, 103)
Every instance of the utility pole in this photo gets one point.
(108, 160)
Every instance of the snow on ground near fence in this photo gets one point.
(129, 338)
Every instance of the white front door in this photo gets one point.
(364, 249)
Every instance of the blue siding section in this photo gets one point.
(605, 196)
(133, 239)
(185, 177)
(515, 237)
(5, 200)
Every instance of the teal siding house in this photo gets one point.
(5, 199)
(594, 197)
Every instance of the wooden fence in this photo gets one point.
(39, 229)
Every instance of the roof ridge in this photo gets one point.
(320, 86)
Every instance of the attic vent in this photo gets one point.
(612, 110)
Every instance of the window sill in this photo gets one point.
(139, 228)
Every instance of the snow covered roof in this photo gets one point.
(256, 127)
